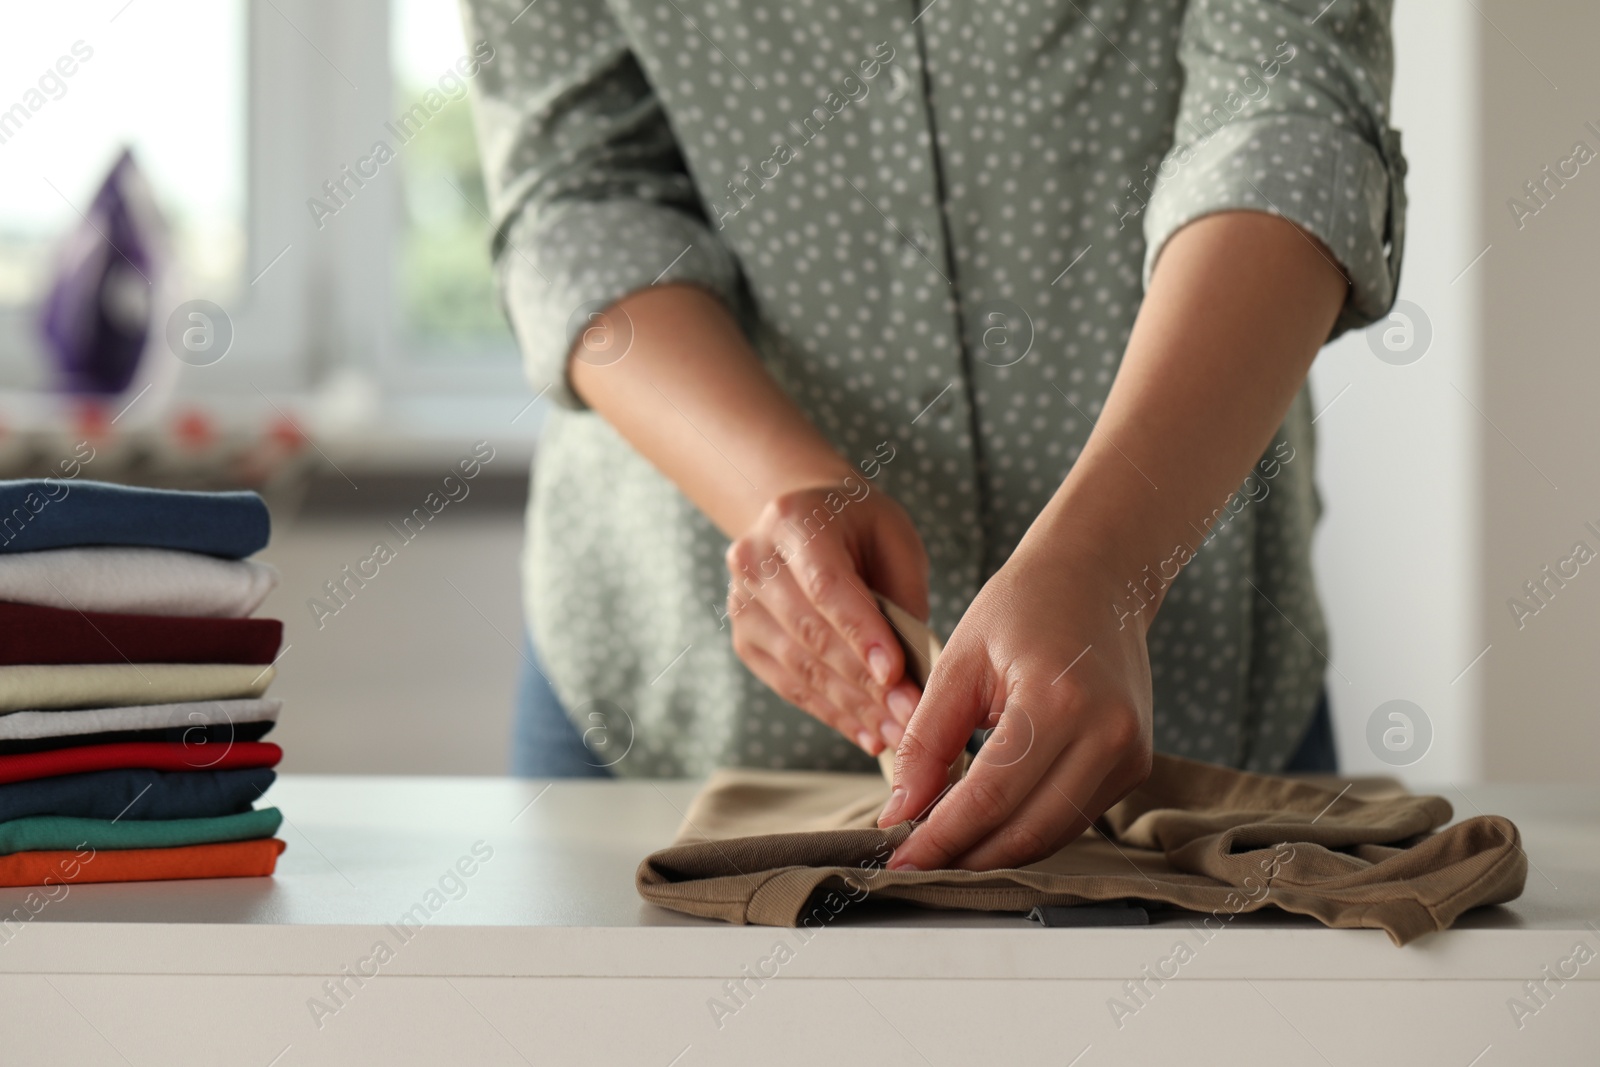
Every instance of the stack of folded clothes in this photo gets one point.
(131, 684)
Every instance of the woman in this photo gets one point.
(1001, 311)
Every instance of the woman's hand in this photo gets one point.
(1040, 657)
(801, 580)
(1052, 651)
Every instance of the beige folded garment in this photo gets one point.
(762, 846)
(922, 648)
(100, 685)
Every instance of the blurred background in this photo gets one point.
(349, 351)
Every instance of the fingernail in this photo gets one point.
(901, 704)
(868, 742)
(893, 866)
(879, 663)
(891, 733)
(897, 800)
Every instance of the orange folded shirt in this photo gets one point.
(226, 859)
(151, 755)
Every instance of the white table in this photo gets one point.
(547, 956)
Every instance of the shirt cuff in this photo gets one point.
(1329, 180)
(561, 267)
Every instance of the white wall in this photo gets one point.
(1540, 95)
(1398, 464)
(1453, 481)
(416, 674)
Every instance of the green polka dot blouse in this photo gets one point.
(935, 221)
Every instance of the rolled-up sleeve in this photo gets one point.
(588, 193)
(1285, 109)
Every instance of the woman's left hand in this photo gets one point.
(1047, 657)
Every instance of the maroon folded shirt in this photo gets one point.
(157, 756)
(30, 634)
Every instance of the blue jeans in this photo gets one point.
(1316, 753)
(546, 744)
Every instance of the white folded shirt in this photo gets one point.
(30, 725)
(142, 581)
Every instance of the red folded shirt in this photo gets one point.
(150, 755)
(225, 859)
(31, 634)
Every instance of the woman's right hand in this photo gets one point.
(804, 620)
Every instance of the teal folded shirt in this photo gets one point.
(52, 833)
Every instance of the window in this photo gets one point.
(378, 305)
(445, 295)
(81, 83)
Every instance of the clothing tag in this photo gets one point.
(1113, 914)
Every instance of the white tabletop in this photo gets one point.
(555, 897)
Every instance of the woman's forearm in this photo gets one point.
(1238, 306)
(692, 397)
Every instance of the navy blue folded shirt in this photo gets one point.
(40, 513)
(137, 793)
